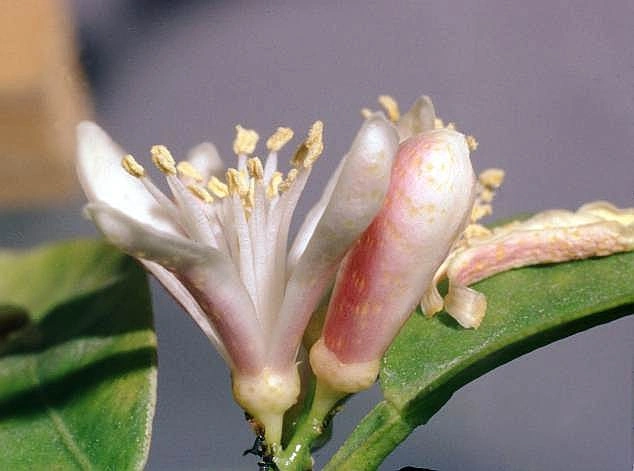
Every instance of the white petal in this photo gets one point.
(419, 118)
(187, 301)
(142, 240)
(355, 199)
(312, 218)
(206, 273)
(206, 159)
(104, 180)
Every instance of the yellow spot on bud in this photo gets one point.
(451, 126)
(132, 166)
(186, 169)
(366, 113)
(254, 167)
(217, 187)
(200, 193)
(163, 159)
(472, 143)
(245, 141)
(391, 107)
(279, 139)
(438, 123)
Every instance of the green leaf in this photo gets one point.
(78, 369)
(432, 358)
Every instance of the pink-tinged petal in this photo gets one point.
(420, 118)
(384, 275)
(206, 159)
(104, 180)
(209, 275)
(354, 201)
(596, 229)
(187, 301)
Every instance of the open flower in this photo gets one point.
(594, 230)
(219, 245)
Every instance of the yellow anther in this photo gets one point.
(254, 167)
(290, 178)
(163, 159)
(476, 230)
(366, 113)
(132, 166)
(245, 141)
(391, 107)
(312, 147)
(273, 188)
(486, 195)
(472, 143)
(186, 169)
(491, 178)
(438, 123)
(480, 210)
(200, 193)
(217, 187)
(236, 182)
(279, 139)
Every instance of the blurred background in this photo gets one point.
(546, 87)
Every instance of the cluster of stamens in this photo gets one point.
(240, 181)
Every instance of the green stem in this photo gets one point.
(376, 436)
(296, 456)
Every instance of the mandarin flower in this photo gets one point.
(595, 230)
(219, 245)
(384, 275)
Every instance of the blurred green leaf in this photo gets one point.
(432, 358)
(78, 375)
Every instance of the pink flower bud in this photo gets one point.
(385, 273)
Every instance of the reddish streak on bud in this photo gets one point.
(384, 274)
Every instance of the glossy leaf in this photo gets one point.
(432, 358)
(78, 366)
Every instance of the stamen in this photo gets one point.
(311, 149)
(245, 141)
(217, 187)
(254, 167)
(290, 178)
(476, 230)
(279, 139)
(491, 178)
(188, 170)
(163, 159)
(472, 143)
(201, 193)
(274, 185)
(391, 107)
(249, 199)
(366, 113)
(132, 166)
(237, 183)
(480, 210)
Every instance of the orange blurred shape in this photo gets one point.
(42, 97)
